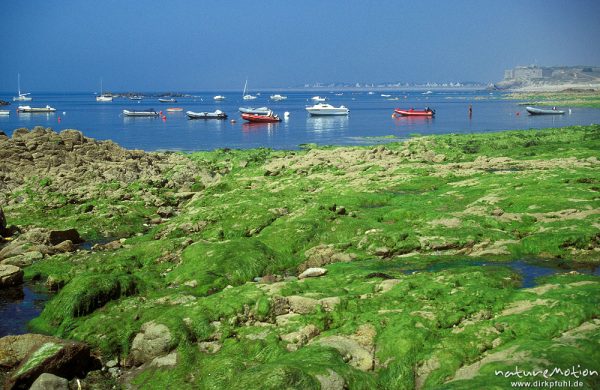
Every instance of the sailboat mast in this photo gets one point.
(245, 85)
(19, 83)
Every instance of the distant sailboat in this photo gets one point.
(22, 96)
(103, 97)
(247, 97)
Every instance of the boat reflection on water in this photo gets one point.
(414, 121)
(327, 123)
(250, 127)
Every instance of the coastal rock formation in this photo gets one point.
(50, 382)
(152, 341)
(10, 275)
(59, 357)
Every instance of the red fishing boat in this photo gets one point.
(412, 112)
(259, 118)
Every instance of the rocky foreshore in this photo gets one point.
(332, 268)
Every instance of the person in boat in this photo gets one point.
(427, 109)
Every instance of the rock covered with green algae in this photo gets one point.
(366, 215)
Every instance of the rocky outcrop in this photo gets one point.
(152, 341)
(321, 255)
(10, 275)
(50, 382)
(69, 162)
(63, 358)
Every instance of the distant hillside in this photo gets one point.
(534, 77)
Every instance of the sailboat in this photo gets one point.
(22, 96)
(103, 97)
(247, 97)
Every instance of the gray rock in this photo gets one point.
(352, 352)
(50, 382)
(312, 273)
(154, 340)
(302, 305)
(169, 360)
(10, 275)
(165, 212)
(331, 381)
(65, 246)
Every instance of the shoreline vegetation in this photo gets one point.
(565, 98)
(309, 269)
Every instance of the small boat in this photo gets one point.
(258, 111)
(427, 93)
(277, 97)
(174, 109)
(371, 93)
(4, 112)
(318, 99)
(4, 103)
(327, 109)
(541, 111)
(136, 97)
(103, 97)
(385, 95)
(218, 114)
(256, 118)
(247, 96)
(22, 96)
(219, 97)
(144, 112)
(29, 109)
(171, 100)
(412, 112)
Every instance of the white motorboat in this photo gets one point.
(318, 99)
(136, 97)
(29, 109)
(256, 111)
(4, 112)
(22, 96)
(165, 100)
(277, 97)
(327, 109)
(144, 112)
(103, 97)
(218, 114)
(385, 95)
(219, 97)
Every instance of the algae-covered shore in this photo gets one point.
(189, 273)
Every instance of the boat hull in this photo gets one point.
(541, 111)
(257, 111)
(140, 113)
(206, 115)
(34, 110)
(330, 112)
(400, 112)
(261, 118)
(4, 112)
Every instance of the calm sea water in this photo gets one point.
(370, 116)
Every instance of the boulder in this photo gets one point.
(331, 380)
(58, 236)
(13, 349)
(50, 382)
(312, 273)
(59, 357)
(301, 337)
(302, 305)
(65, 246)
(169, 360)
(10, 275)
(352, 352)
(154, 340)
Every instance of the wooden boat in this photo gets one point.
(174, 109)
(4, 103)
(145, 112)
(258, 111)
(256, 118)
(541, 111)
(33, 110)
(218, 114)
(412, 112)
(171, 100)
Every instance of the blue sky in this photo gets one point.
(211, 45)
